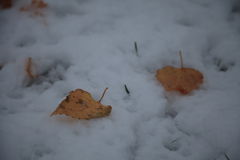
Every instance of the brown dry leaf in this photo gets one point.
(182, 79)
(80, 104)
(31, 69)
(34, 8)
(5, 4)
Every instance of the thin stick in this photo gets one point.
(103, 95)
(226, 156)
(180, 53)
(126, 89)
(136, 48)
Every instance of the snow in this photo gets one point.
(89, 44)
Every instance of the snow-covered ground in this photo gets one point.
(89, 44)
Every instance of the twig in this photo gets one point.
(126, 89)
(226, 157)
(136, 48)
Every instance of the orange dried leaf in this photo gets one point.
(182, 79)
(80, 104)
(34, 7)
(38, 4)
(5, 4)
(29, 69)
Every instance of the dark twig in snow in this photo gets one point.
(136, 48)
(126, 89)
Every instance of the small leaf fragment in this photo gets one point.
(31, 69)
(5, 4)
(35, 7)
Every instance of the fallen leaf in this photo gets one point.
(182, 79)
(31, 69)
(80, 104)
(34, 8)
(5, 4)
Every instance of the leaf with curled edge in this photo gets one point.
(80, 104)
(182, 79)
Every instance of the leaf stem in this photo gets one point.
(103, 95)
(180, 53)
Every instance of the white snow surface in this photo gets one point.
(89, 44)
